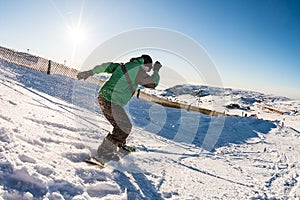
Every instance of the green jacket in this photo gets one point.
(116, 89)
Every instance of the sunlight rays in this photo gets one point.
(75, 31)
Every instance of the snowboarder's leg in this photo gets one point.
(118, 118)
(121, 130)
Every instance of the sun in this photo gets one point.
(77, 35)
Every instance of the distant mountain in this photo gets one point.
(202, 91)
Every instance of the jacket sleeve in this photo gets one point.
(146, 80)
(108, 67)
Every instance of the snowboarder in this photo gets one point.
(115, 94)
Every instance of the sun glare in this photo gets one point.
(77, 35)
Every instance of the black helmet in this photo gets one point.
(147, 60)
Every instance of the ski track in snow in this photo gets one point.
(45, 138)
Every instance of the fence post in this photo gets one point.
(138, 93)
(49, 67)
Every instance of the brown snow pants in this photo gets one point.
(118, 118)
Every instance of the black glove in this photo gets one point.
(84, 75)
(157, 66)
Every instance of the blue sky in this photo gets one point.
(254, 44)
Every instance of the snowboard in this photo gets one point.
(94, 161)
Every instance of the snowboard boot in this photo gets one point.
(107, 151)
(124, 150)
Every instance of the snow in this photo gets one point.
(50, 124)
(251, 103)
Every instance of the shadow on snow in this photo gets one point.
(193, 128)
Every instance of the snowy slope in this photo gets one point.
(50, 124)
